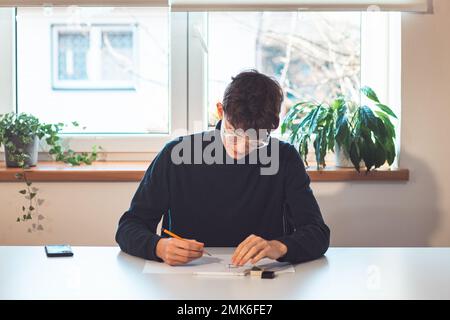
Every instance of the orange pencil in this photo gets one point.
(173, 235)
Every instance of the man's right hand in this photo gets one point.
(177, 252)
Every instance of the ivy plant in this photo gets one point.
(18, 130)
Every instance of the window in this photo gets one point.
(314, 55)
(106, 68)
(70, 55)
(137, 77)
(111, 47)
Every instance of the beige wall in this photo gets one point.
(416, 213)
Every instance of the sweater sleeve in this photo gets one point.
(136, 233)
(310, 238)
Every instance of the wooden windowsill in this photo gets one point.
(350, 174)
(131, 171)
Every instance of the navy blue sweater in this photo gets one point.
(222, 204)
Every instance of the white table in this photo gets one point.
(344, 273)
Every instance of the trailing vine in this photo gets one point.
(17, 131)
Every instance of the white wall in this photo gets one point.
(415, 213)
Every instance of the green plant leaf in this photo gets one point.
(367, 149)
(323, 147)
(386, 109)
(369, 93)
(317, 143)
(390, 151)
(284, 127)
(315, 117)
(330, 135)
(368, 119)
(380, 155)
(355, 156)
(305, 150)
(342, 130)
(294, 112)
(387, 123)
(338, 103)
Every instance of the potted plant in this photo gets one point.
(357, 134)
(20, 134)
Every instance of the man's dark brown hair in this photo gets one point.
(253, 101)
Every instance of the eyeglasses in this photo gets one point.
(235, 135)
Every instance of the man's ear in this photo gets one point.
(219, 110)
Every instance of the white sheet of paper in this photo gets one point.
(217, 265)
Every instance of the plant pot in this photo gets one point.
(342, 158)
(31, 149)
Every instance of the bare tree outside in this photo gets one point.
(314, 55)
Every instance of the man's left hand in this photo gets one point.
(254, 248)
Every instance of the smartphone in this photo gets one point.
(63, 250)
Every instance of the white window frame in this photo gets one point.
(380, 42)
(7, 61)
(188, 81)
(198, 63)
(95, 40)
(138, 146)
(114, 146)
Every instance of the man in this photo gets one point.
(206, 187)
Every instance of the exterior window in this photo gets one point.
(117, 55)
(98, 57)
(135, 78)
(73, 48)
(106, 68)
(313, 55)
